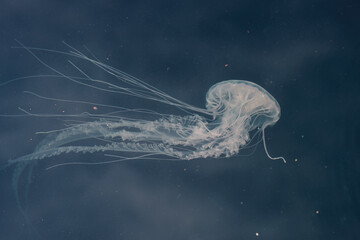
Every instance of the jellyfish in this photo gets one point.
(236, 112)
(237, 108)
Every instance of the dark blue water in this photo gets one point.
(305, 53)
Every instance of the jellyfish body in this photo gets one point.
(237, 108)
(236, 111)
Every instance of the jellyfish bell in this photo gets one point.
(243, 99)
(240, 107)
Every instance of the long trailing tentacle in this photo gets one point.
(139, 88)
